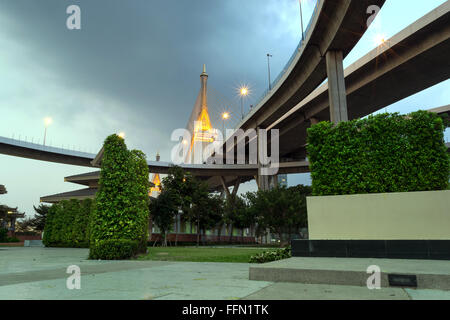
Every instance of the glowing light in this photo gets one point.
(243, 91)
(225, 115)
(122, 135)
(47, 121)
(380, 39)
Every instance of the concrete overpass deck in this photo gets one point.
(413, 60)
(337, 25)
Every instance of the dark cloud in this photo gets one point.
(148, 54)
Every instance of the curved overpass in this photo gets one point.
(35, 151)
(337, 25)
(413, 60)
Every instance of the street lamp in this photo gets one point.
(122, 135)
(379, 39)
(301, 18)
(47, 121)
(225, 116)
(268, 68)
(243, 91)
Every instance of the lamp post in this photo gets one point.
(47, 121)
(243, 92)
(268, 68)
(225, 116)
(301, 18)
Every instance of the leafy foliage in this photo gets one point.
(122, 199)
(38, 221)
(269, 256)
(181, 191)
(235, 213)
(163, 210)
(205, 210)
(114, 249)
(3, 235)
(382, 153)
(67, 224)
(282, 210)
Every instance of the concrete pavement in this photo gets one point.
(40, 273)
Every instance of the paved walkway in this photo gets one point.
(40, 273)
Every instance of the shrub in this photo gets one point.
(382, 153)
(113, 249)
(13, 239)
(269, 256)
(121, 208)
(3, 235)
(67, 224)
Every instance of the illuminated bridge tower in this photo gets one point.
(156, 180)
(202, 132)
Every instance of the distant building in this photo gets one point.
(8, 216)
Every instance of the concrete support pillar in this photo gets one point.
(263, 180)
(225, 188)
(336, 86)
(257, 182)
(274, 181)
(236, 186)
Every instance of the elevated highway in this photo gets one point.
(336, 26)
(411, 61)
(35, 151)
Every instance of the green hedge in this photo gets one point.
(67, 224)
(122, 199)
(3, 235)
(382, 153)
(114, 249)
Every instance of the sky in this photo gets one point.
(134, 67)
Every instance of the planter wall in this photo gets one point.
(385, 216)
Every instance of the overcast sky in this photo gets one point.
(135, 66)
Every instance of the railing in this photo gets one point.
(294, 54)
(47, 147)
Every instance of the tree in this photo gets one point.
(38, 221)
(255, 209)
(206, 210)
(234, 210)
(181, 185)
(198, 208)
(282, 210)
(163, 211)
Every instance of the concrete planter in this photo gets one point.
(386, 216)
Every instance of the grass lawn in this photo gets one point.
(201, 254)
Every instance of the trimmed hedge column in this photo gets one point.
(120, 221)
(382, 153)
